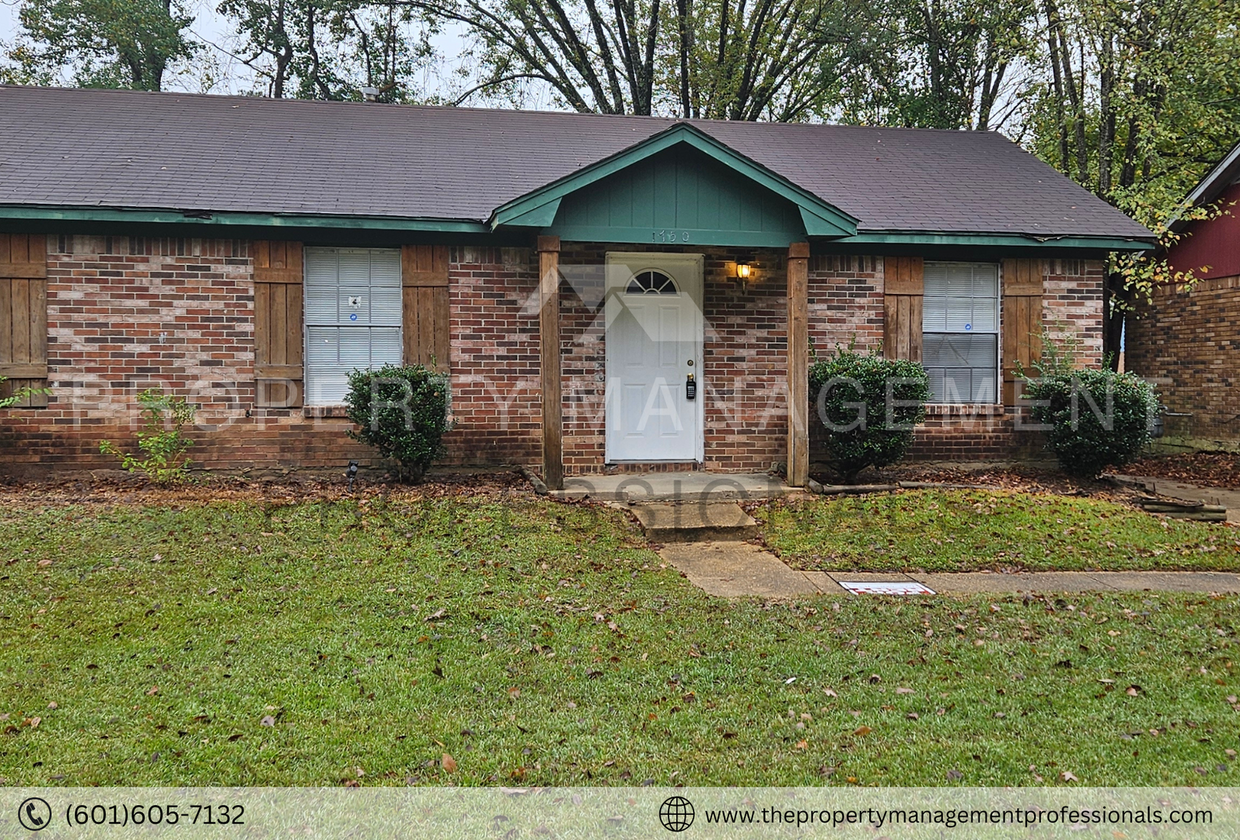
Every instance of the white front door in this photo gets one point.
(654, 344)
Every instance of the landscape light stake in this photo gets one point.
(352, 474)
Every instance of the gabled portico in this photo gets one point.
(652, 210)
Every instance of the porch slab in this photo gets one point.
(674, 486)
(666, 522)
(737, 569)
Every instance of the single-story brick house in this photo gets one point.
(1187, 338)
(571, 272)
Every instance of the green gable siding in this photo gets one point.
(680, 195)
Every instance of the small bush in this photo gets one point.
(402, 412)
(162, 449)
(868, 406)
(1095, 418)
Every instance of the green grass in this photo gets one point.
(966, 530)
(544, 644)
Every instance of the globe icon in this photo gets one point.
(676, 813)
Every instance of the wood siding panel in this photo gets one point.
(424, 306)
(1021, 325)
(279, 371)
(23, 315)
(424, 265)
(903, 291)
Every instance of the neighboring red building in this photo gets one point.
(1188, 339)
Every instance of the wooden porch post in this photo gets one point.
(549, 357)
(798, 364)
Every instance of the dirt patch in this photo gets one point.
(1205, 469)
(128, 490)
(1020, 478)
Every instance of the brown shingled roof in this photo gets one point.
(123, 149)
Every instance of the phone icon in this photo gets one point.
(34, 814)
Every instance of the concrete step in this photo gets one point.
(667, 522)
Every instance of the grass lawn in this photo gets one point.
(966, 530)
(243, 643)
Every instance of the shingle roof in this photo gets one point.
(123, 149)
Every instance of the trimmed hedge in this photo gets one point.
(402, 412)
(849, 394)
(1095, 418)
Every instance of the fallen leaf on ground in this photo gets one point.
(448, 763)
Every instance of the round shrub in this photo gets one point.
(1094, 419)
(868, 406)
(402, 412)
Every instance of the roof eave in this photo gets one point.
(230, 218)
(1001, 240)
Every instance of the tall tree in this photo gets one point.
(935, 63)
(1143, 98)
(731, 60)
(330, 49)
(99, 43)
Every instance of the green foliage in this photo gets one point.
(1095, 418)
(99, 43)
(330, 49)
(161, 443)
(868, 406)
(932, 65)
(402, 412)
(20, 395)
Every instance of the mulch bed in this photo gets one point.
(1018, 478)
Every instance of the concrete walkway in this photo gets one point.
(738, 569)
(1174, 489)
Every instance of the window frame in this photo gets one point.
(308, 397)
(997, 332)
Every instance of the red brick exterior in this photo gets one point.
(1188, 343)
(127, 313)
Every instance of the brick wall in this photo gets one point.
(127, 313)
(130, 313)
(1072, 305)
(493, 299)
(1188, 343)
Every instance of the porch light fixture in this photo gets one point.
(743, 272)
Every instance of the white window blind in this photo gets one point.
(353, 317)
(960, 331)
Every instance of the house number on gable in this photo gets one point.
(669, 236)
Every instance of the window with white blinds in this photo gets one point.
(353, 317)
(960, 331)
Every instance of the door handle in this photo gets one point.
(690, 388)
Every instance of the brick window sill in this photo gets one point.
(965, 409)
(325, 412)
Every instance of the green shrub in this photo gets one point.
(868, 406)
(161, 443)
(402, 412)
(1094, 418)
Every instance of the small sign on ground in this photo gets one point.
(885, 587)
